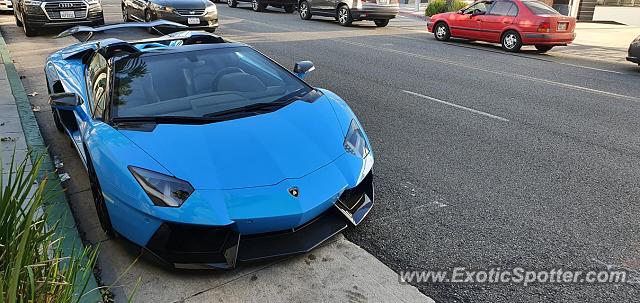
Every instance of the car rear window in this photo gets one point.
(539, 8)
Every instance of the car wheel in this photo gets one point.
(381, 22)
(98, 197)
(125, 14)
(511, 41)
(442, 32)
(18, 22)
(56, 120)
(304, 10)
(544, 48)
(344, 16)
(232, 3)
(289, 8)
(257, 6)
(29, 31)
(149, 18)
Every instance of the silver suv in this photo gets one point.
(347, 11)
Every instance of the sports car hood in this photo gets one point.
(254, 151)
(184, 4)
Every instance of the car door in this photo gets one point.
(467, 23)
(96, 77)
(496, 20)
(324, 7)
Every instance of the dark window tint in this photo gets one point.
(513, 11)
(478, 7)
(501, 8)
(539, 8)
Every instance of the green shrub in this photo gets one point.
(33, 267)
(440, 6)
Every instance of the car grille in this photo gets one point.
(190, 12)
(53, 9)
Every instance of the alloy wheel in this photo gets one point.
(304, 10)
(510, 41)
(254, 5)
(441, 31)
(343, 15)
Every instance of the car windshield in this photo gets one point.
(539, 8)
(199, 83)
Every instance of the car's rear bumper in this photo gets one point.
(548, 38)
(372, 12)
(184, 246)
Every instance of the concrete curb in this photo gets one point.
(57, 207)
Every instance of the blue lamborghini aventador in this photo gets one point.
(205, 151)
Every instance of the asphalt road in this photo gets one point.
(483, 158)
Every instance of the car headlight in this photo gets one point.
(32, 3)
(162, 8)
(93, 2)
(163, 190)
(210, 8)
(354, 142)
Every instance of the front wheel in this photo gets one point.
(344, 16)
(258, 6)
(381, 22)
(289, 8)
(442, 32)
(304, 10)
(544, 48)
(29, 30)
(511, 41)
(98, 197)
(125, 14)
(232, 3)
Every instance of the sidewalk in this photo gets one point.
(409, 10)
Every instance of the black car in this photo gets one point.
(347, 11)
(260, 5)
(634, 51)
(34, 15)
(196, 14)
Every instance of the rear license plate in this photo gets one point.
(193, 21)
(67, 14)
(562, 26)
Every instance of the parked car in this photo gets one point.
(196, 14)
(6, 5)
(512, 23)
(260, 5)
(634, 51)
(205, 151)
(34, 15)
(380, 11)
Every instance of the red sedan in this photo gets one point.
(512, 23)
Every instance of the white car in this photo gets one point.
(6, 5)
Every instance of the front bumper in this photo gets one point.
(206, 21)
(634, 59)
(37, 16)
(373, 12)
(184, 246)
(548, 38)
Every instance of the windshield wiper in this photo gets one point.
(165, 120)
(260, 107)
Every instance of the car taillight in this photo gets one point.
(544, 27)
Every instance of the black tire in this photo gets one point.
(289, 8)
(232, 3)
(544, 48)
(441, 31)
(18, 22)
(258, 6)
(381, 22)
(100, 21)
(98, 197)
(29, 30)
(344, 15)
(149, 18)
(304, 10)
(56, 120)
(511, 41)
(125, 14)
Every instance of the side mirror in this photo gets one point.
(65, 101)
(68, 101)
(302, 68)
